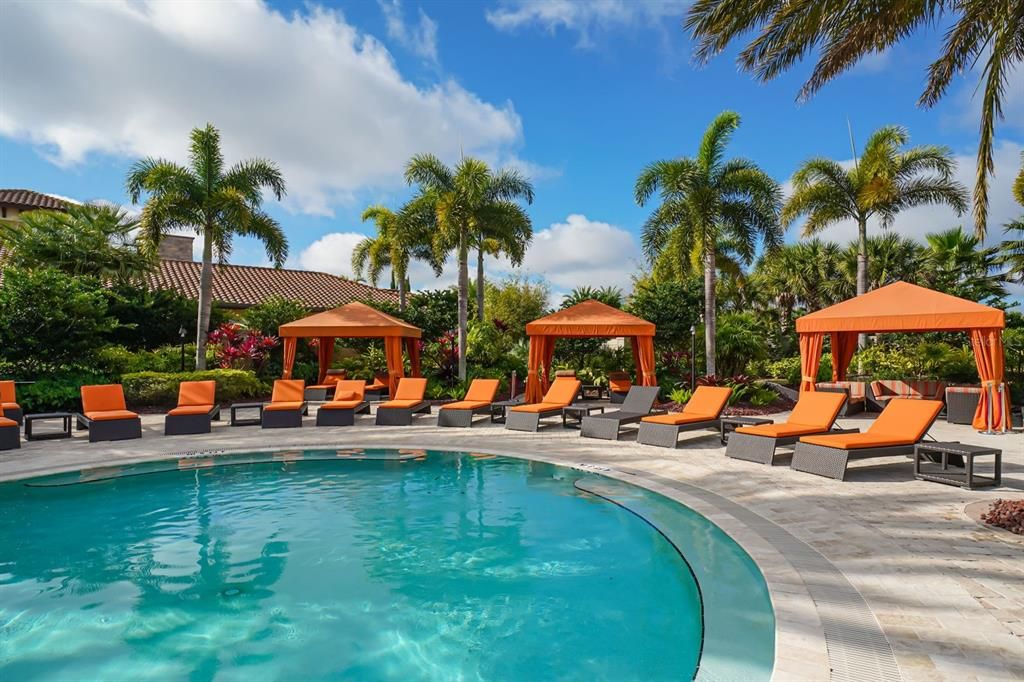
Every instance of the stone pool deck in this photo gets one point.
(878, 577)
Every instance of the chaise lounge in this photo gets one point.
(562, 393)
(701, 412)
(287, 405)
(318, 393)
(815, 412)
(619, 384)
(348, 401)
(9, 402)
(408, 401)
(377, 390)
(478, 400)
(10, 433)
(196, 410)
(900, 426)
(637, 405)
(106, 416)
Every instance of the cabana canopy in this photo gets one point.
(354, 320)
(587, 319)
(904, 307)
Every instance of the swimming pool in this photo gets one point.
(369, 564)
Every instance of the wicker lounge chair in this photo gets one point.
(701, 412)
(9, 402)
(880, 392)
(378, 389)
(815, 412)
(320, 392)
(407, 402)
(10, 433)
(196, 410)
(900, 426)
(105, 415)
(563, 392)
(855, 392)
(961, 403)
(635, 406)
(287, 405)
(619, 384)
(348, 401)
(478, 400)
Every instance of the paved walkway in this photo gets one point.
(880, 552)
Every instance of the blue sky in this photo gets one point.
(578, 95)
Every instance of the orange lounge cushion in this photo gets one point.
(342, 404)
(853, 441)
(5, 422)
(284, 405)
(410, 388)
(102, 398)
(780, 430)
(677, 418)
(538, 407)
(7, 391)
(708, 400)
(562, 392)
(817, 408)
(482, 390)
(350, 389)
(399, 404)
(466, 405)
(111, 415)
(288, 391)
(183, 410)
(376, 386)
(10, 406)
(196, 393)
(345, 396)
(620, 385)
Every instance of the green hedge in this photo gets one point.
(161, 388)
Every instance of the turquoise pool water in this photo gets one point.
(366, 566)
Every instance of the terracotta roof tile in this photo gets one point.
(26, 198)
(241, 286)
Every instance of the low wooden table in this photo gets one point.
(729, 424)
(925, 452)
(577, 413)
(45, 416)
(235, 421)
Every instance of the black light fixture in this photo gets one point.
(693, 356)
(181, 335)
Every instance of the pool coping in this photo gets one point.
(823, 627)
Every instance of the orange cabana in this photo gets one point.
(903, 307)
(587, 319)
(354, 320)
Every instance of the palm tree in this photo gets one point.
(959, 264)
(465, 202)
(990, 31)
(706, 199)
(513, 243)
(891, 258)
(215, 202)
(882, 182)
(1012, 250)
(400, 238)
(801, 275)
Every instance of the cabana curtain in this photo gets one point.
(586, 319)
(903, 307)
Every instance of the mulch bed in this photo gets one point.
(1008, 514)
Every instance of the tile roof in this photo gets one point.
(26, 198)
(241, 286)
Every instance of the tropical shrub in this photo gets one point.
(516, 301)
(118, 360)
(787, 370)
(236, 347)
(740, 340)
(60, 391)
(161, 388)
(150, 319)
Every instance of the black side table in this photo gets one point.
(253, 421)
(577, 412)
(499, 408)
(729, 424)
(925, 453)
(64, 433)
(592, 392)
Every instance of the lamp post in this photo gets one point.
(181, 335)
(693, 356)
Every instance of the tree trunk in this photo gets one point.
(402, 290)
(862, 274)
(463, 304)
(480, 284)
(710, 325)
(205, 300)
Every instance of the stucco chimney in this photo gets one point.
(176, 247)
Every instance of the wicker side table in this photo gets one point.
(925, 453)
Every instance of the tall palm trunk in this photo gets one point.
(480, 284)
(463, 303)
(862, 274)
(402, 291)
(205, 300)
(710, 324)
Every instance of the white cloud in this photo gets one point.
(307, 90)
(585, 19)
(331, 253)
(420, 39)
(917, 222)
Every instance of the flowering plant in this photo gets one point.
(240, 348)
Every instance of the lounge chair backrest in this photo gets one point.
(906, 418)
(817, 408)
(102, 398)
(482, 390)
(619, 382)
(288, 391)
(708, 401)
(7, 392)
(410, 388)
(347, 387)
(640, 399)
(563, 391)
(196, 393)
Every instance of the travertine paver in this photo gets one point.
(947, 593)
